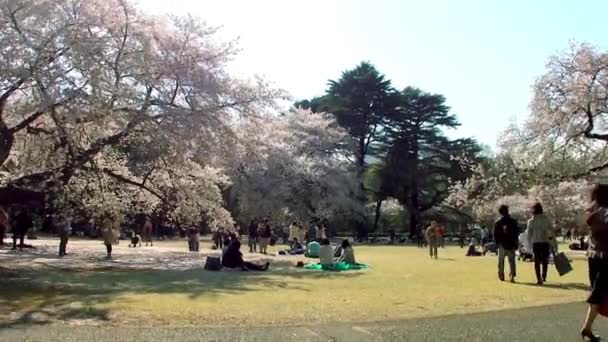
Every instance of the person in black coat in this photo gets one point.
(23, 222)
(233, 258)
(506, 235)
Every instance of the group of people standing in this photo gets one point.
(21, 223)
(259, 235)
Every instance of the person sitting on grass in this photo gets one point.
(348, 254)
(233, 258)
(226, 241)
(326, 253)
(135, 239)
(472, 251)
(296, 247)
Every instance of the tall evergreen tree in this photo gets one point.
(420, 160)
(360, 100)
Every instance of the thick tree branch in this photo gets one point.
(587, 173)
(38, 130)
(141, 184)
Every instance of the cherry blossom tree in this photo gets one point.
(569, 109)
(82, 82)
(557, 153)
(482, 194)
(298, 165)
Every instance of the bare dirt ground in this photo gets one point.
(84, 254)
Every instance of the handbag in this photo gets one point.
(562, 264)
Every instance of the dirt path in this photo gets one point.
(90, 255)
(550, 323)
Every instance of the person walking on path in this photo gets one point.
(506, 235)
(23, 222)
(64, 228)
(432, 237)
(598, 258)
(541, 237)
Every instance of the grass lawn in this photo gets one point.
(403, 282)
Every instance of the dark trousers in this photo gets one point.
(219, 241)
(541, 260)
(252, 266)
(18, 235)
(63, 243)
(252, 242)
(193, 244)
(510, 254)
(109, 249)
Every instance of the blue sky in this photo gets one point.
(482, 55)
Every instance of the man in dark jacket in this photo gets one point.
(23, 222)
(506, 234)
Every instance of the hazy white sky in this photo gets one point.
(483, 55)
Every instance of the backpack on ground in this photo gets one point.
(213, 264)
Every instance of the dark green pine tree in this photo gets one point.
(360, 100)
(419, 159)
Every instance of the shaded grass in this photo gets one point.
(403, 282)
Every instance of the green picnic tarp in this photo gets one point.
(339, 266)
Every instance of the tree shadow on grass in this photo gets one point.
(561, 286)
(71, 295)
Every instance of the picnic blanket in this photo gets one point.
(339, 266)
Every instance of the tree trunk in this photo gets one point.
(361, 156)
(414, 224)
(378, 214)
(413, 211)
